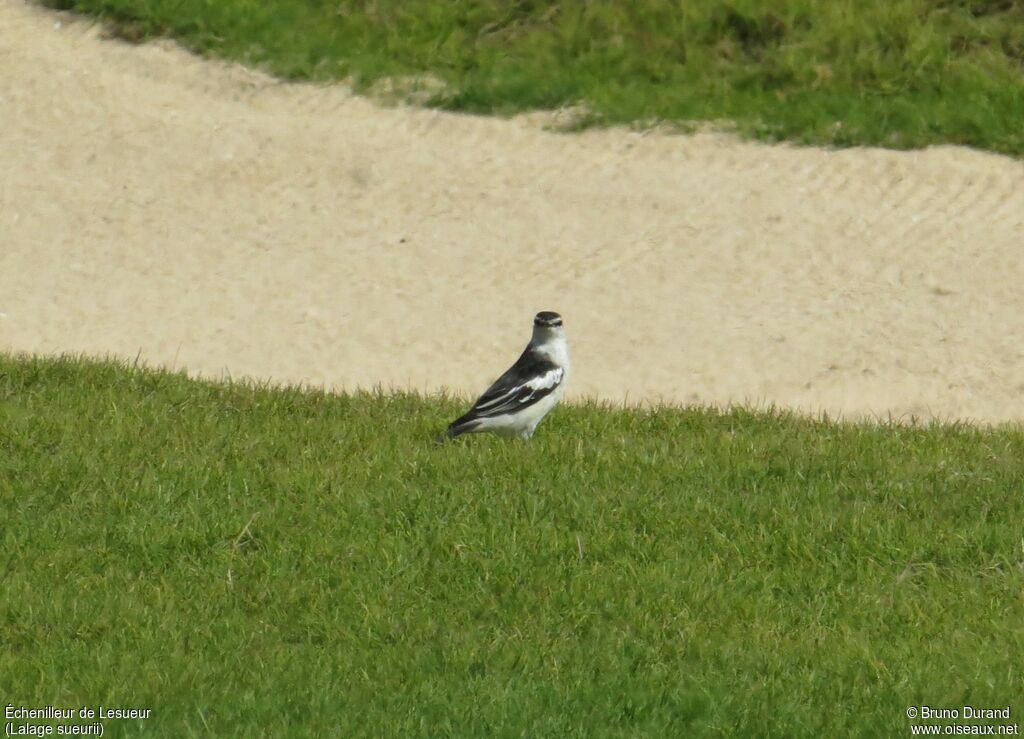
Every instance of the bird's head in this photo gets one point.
(547, 325)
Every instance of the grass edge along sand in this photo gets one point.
(901, 74)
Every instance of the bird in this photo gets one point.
(529, 389)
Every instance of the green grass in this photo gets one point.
(896, 73)
(250, 561)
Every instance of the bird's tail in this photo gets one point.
(454, 430)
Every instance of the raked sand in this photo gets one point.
(209, 217)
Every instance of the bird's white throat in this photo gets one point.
(550, 340)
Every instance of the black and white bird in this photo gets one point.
(529, 389)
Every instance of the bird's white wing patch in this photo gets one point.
(521, 394)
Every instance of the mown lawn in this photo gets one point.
(896, 73)
(249, 561)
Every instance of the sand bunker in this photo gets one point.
(209, 217)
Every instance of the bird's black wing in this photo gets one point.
(530, 379)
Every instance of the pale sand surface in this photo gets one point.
(211, 218)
